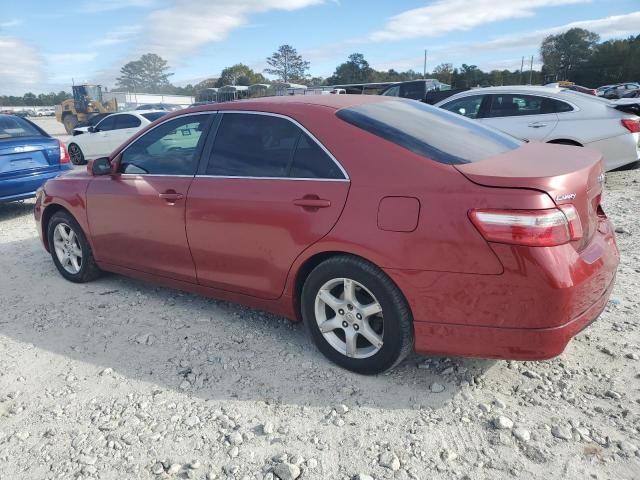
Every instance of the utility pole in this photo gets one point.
(521, 68)
(531, 71)
(424, 68)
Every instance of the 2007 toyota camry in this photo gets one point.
(384, 224)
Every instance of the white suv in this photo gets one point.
(556, 115)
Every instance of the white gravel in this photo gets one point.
(222, 391)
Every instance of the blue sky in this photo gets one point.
(46, 43)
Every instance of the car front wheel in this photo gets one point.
(70, 249)
(77, 157)
(356, 315)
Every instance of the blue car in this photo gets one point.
(28, 158)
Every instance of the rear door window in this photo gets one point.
(512, 105)
(311, 161)
(432, 132)
(253, 145)
(108, 123)
(127, 121)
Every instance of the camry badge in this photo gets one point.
(565, 196)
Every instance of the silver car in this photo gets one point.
(556, 115)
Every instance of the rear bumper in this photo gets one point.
(618, 151)
(531, 311)
(22, 187)
(504, 343)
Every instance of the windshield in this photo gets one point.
(153, 116)
(15, 127)
(429, 131)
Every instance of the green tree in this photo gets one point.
(149, 74)
(287, 65)
(564, 53)
(355, 70)
(443, 72)
(239, 74)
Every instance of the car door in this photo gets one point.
(94, 145)
(267, 192)
(126, 126)
(528, 117)
(137, 215)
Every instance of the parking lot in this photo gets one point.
(120, 379)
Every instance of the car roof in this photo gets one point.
(335, 102)
(140, 112)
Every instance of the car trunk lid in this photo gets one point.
(24, 156)
(569, 175)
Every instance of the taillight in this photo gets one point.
(632, 125)
(64, 155)
(534, 228)
(575, 225)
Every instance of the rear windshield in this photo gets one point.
(429, 131)
(14, 127)
(153, 116)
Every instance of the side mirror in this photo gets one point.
(99, 166)
(91, 129)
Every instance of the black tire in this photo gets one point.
(75, 152)
(629, 166)
(88, 269)
(397, 332)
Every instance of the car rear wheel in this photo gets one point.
(70, 249)
(356, 315)
(77, 157)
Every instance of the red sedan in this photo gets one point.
(385, 225)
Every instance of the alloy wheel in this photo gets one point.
(350, 318)
(67, 248)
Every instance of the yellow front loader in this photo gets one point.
(86, 102)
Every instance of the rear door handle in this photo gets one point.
(537, 125)
(170, 196)
(312, 202)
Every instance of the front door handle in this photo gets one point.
(171, 196)
(312, 202)
(537, 125)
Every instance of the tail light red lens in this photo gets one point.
(631, 124)
(534, 228)
(64, 155)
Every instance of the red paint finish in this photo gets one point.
(398, 214)
(246, 233)
(132, 225)
(249, 240)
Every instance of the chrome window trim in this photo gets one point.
(300, 126)
(303, 179)
(297, 179)
(211, 112)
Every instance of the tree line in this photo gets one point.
(576, 55)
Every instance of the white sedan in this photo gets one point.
(556, 115)
(109, 134)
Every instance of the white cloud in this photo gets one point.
(444, 16)
(58, 58)
(118, 35)
(100, 6)
(21, 66)
(14, 22)
(616, 26)
(526, 43)
(190, 24)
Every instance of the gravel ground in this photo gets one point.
(118, 379)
